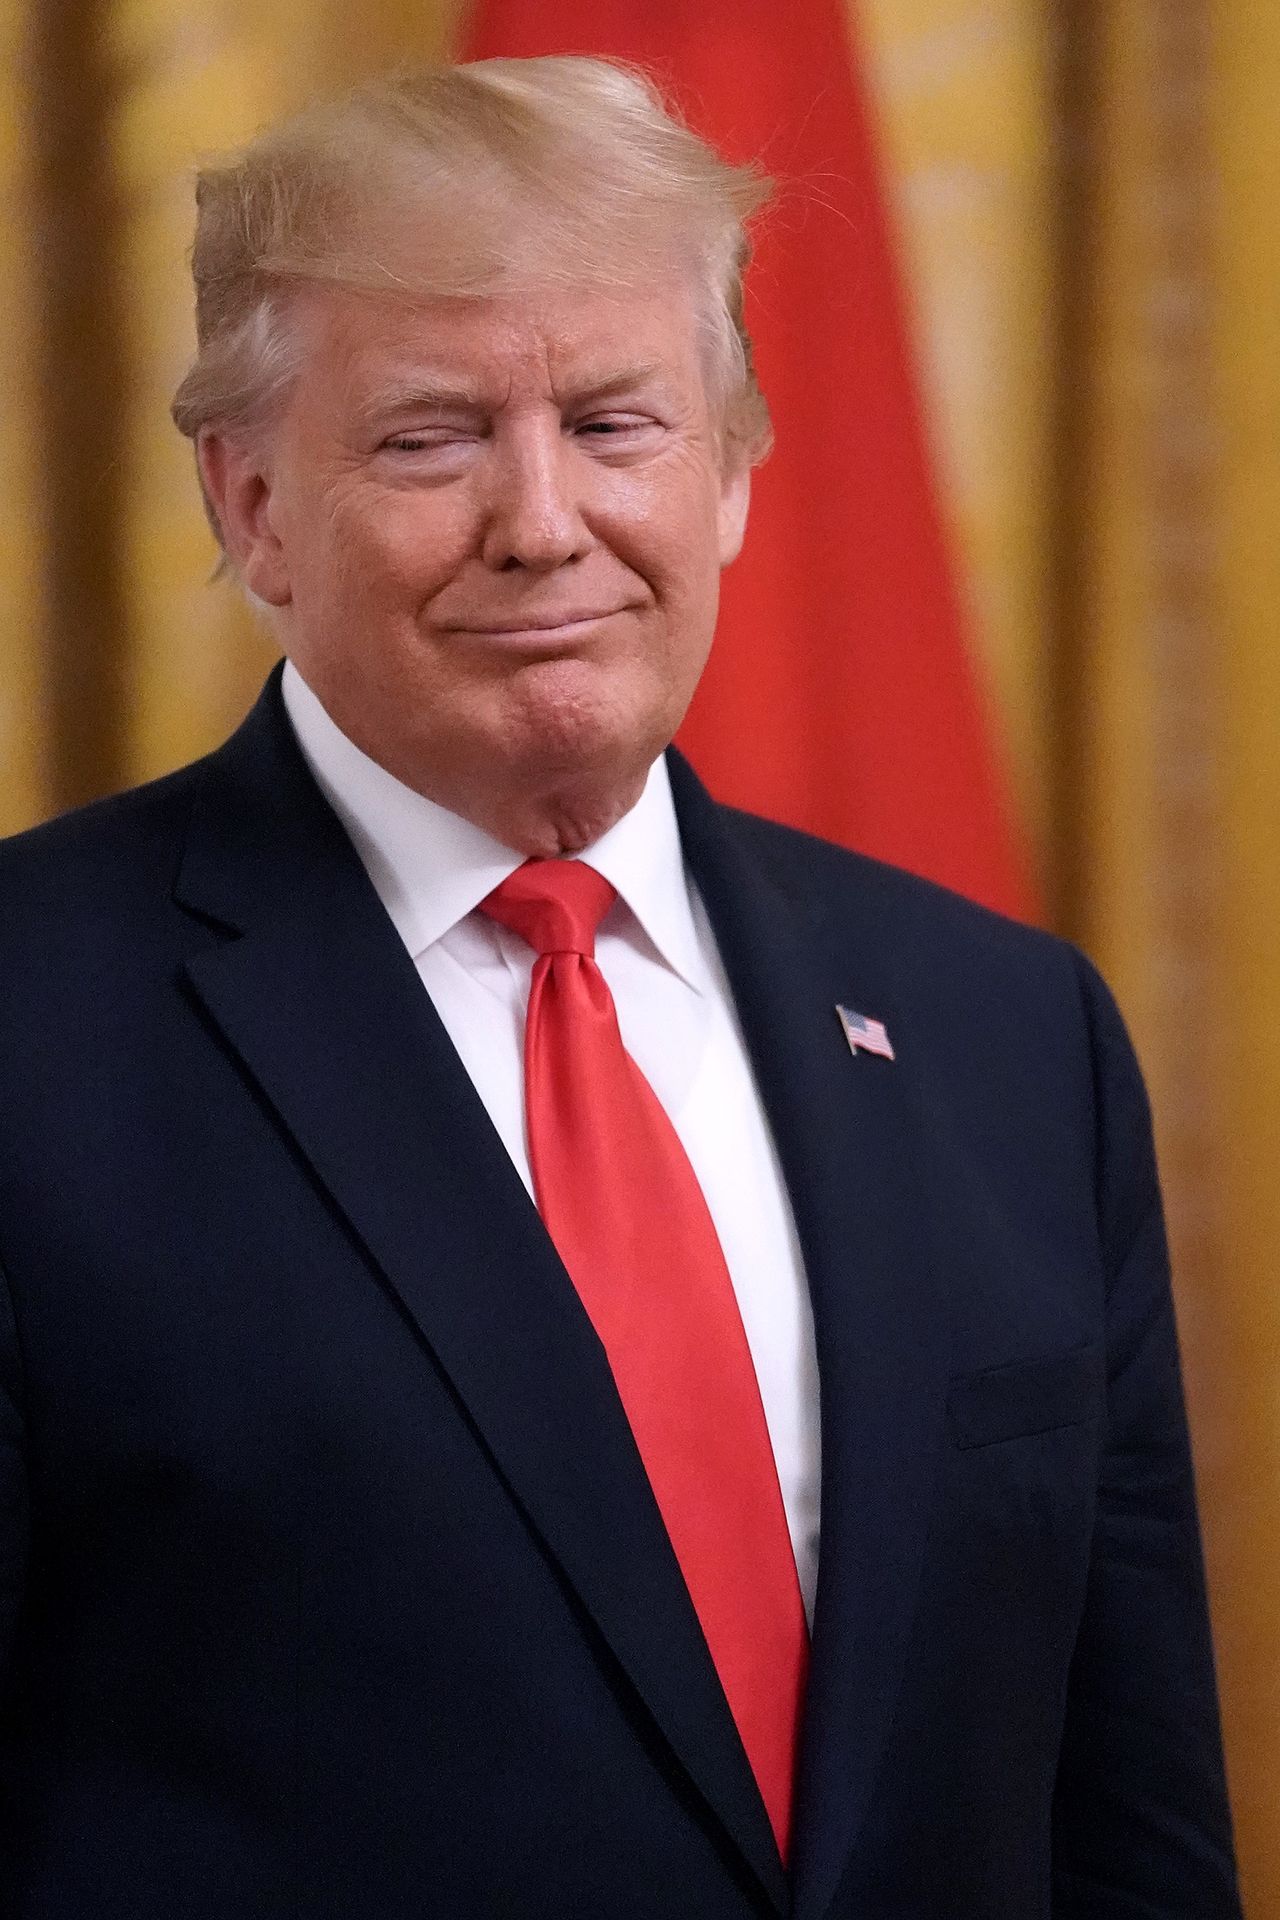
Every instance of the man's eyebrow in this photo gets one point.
(428, 395)
(626, 379)
(420, 396)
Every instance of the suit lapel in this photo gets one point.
(317, 998)
(852, 1139)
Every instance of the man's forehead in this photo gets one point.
(461, 348)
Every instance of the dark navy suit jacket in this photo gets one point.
(331, 1584)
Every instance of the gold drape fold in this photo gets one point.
(206, 75)
(1241, 1367)
(25, 792)
(1168, 769)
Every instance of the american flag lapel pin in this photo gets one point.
(867, 1036)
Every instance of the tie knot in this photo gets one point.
(556, 905)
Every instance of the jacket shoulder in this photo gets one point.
(91, 869)
(1019, 1015)
(916, 918)
(120, 823)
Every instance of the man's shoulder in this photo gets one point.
(923, 924)
(1013, 1027)
(95, 863)
(974, 984)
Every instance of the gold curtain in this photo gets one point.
(1086, 194)
(198, 79)
(24, 792)
(1168, 724)
(1238, 1370)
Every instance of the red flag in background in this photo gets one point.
(840, 695)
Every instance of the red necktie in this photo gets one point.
(628, 1218)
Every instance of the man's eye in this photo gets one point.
(614, 426)
(426, 440)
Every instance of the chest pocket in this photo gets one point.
(1026, 1397)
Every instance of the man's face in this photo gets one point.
(494, 530)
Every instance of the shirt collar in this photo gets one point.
(431, 868)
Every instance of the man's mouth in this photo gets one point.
(518, 626)
(534, 634)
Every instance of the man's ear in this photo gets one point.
(735, 498)
(236, 478)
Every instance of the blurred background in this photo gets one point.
(1069, 216)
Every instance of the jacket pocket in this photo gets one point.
(1026, 1397)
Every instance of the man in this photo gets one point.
(567, 1352)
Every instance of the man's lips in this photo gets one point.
(530, 626)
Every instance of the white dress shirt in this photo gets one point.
(655, 948)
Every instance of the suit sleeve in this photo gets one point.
(13, 1485)
(1141, 1829)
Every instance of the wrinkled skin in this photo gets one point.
(492, 530)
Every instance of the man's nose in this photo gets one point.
(534, 513)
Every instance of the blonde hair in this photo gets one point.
(458, 181)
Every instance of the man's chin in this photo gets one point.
(571, 721)
(564, 773)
